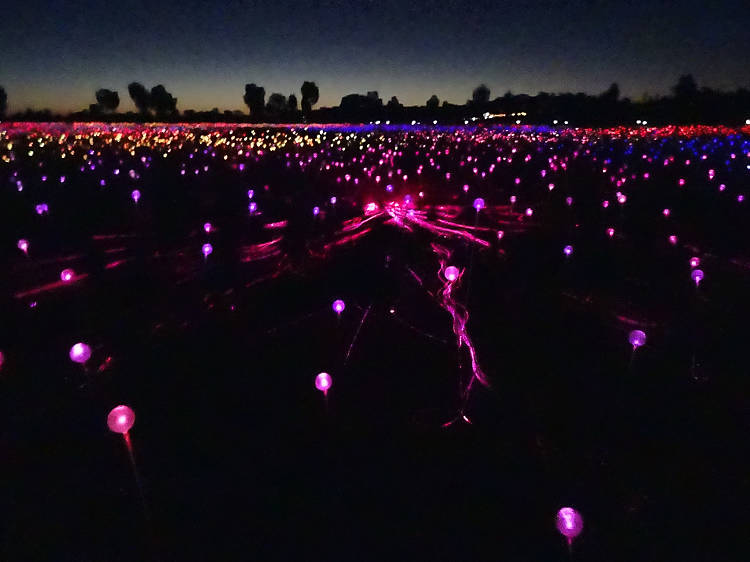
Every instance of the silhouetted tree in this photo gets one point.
(140, 96)
(480, 95)
(611, 94)
(255, 99)
(685, 87)
(433, 103)
(276, 104)
(310, 95)
(3, 101)
(162, 101)
(292, 103)
(107, 99)
(394, 104)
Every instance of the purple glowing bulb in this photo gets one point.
(568, 201)
(80, 353)
(208, 227)
(569, 523)
(637, 338)
(323, 382)
(567, 250)
(136, 195)
(252, 207)
(250, 193)
(338, 306)
(316, 211)
(206, 250)
(23, 245)
(121, 419)
(479, 204)
(67, 275)
(697, 276)
(451, 273)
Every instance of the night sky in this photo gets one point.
(55, 54)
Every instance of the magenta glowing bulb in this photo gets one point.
(252, 207)
(338, 306)
(568, 201)
(316, 211)
(479, 204)
(569, 523)
(666, 212)
(136, 195)
(610, 232)
(697, 276)
(500, 234)
(120, 419)
(567, 250)
(529, 212)
(206, 250)
(67, 275)
(695, 262)
(451, 273)
(23, 245)
(250, 193)
(513, 199)
(208, 227)
(637, 338)
(323, 382)
(672, 239)
(80, 353)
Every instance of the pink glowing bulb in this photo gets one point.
(666, 212)
(479, 204)
(208, 227)
(120, 419)
(136, 195)
(206, 250)
(316, 211)
(567, 250)
(610, 232)
(67, 275)
(338, 306)
(23, 245)
(637, 338)
(513, 199)
(252, 207)
(569, 523)
(697, 276)
(681, 182)
(250, 193)
(500, 234)
(80, 353)
(672, 239)
(529, 212)
(323, 382)
(695, 262)
(451, 273)
(466, 188)
(568, 201)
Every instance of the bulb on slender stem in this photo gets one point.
(451, 273)
(136, 195)
(697, 276)
(637, 338)
(338, 306)
(479, 204)
(80, 353)
(323, 382)
(206, 250)
(23, 245)
(569, 523)
(121, 419)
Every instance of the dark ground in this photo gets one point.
(241, 459)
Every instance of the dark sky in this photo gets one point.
(56, 53)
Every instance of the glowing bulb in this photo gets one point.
(338, 306)
(80, 353)
(637, 338)
(206, 250)
(451, 273)
(323, 382)
(136, 195)
(567, 250)
(316, 211)
(610, 232)
(569, 523)
(479, 204)
(529, 212)
(672, 239)
(666, 212)
(500, 234)
(120, 419)
(697, 276)
(67, 275)
(695, 262)
(23, 245)
(208, 227)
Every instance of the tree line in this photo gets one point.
(687, 103)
